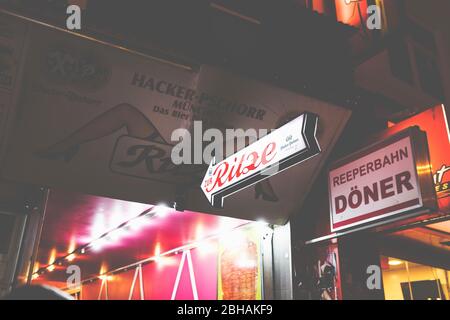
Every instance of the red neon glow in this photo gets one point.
(435, 123)
(319, 6)
(347, 12)
(75, 216)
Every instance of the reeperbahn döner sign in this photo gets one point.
(389, 178)
(284, 147)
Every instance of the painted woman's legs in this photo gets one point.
(121, 116)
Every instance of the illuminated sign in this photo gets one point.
(434, 122)
(442, 185)
(384, 180)
(286, 146)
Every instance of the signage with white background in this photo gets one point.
(377, 183)
(287, 146)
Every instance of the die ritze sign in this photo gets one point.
(284, 147)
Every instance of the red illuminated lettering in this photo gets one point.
(268, 150)
(227, 171)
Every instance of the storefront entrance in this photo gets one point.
(102, 248)
(405, 280)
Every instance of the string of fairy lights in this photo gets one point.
(81, 250)
(175, 251)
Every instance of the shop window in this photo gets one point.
(325, 7)
(351, 12)
(405, 280)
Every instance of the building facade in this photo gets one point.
(87, 119)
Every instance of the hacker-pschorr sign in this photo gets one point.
(387, 181)
(110, 131)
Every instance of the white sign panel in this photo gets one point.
(376, 185)
(289, 145)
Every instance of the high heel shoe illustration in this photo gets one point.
(66, 155)
(264, 189)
